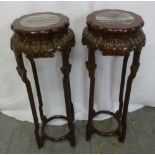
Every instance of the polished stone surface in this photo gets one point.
(40, 20)
(115, 17)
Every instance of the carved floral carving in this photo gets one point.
(43, 46)
(114, 44)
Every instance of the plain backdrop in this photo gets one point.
(13, 96)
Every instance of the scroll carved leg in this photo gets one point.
(23, 74)
(134, 69)
(43, 117)
(66, 68)
(125, 60)
(91, 66)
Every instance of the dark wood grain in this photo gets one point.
(114, 33)
(40, 37)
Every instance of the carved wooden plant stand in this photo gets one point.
(114, 33)
(41, 35)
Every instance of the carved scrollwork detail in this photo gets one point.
(91, 68)
(42, 46)
(114, 44)
(66, 69)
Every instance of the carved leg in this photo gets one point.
(134, 69)
(125, 60)
(66, 68)
(43, 117)
(22, 72)
(72, 108)
(91, 66)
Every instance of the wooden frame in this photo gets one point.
(41, 43)
(112, 40)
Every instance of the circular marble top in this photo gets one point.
(115, 17)
(40, 20)
(114, 21)
(40, 23)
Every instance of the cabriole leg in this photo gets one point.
(23, 74)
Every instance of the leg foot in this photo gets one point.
(122, 134)
(72, 139)
(88, 132)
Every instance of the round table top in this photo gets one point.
(40, 22)
(114, 21)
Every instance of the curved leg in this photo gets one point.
(66, 68)
(91, 66)
(134, 69)
(23, 74)
(34, 70)
(125, 60)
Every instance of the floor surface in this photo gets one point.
(17, 136)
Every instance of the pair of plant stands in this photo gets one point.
(41, 35)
